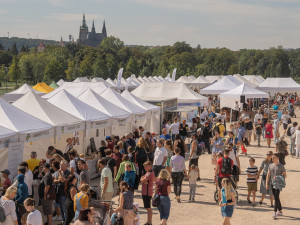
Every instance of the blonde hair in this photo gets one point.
(58, 157)
(10, 191)
(164, 175)
(120, 144)
(228, 188)
(142, 143)
(84, 188)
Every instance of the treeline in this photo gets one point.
(73, 60)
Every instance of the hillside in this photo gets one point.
(8, 42)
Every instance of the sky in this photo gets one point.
(235, 24)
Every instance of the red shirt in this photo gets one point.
(7, 183)
(162, 186)
(118, 158)
(147, 189)
(110, 145)
(220, 165)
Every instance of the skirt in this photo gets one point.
(168, 162)
(227, 211)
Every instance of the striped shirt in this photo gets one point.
(253, 171)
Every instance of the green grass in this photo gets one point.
(10, 87)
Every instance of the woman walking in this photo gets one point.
(141, 156)
(264, 169)
(70, 191)
(227, 201)
(163, 188)
(178, 172)
(269, 132)
(180, 144)
(125, 207)
(9, 206)
(169, 146)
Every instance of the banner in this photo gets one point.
(15, 157)
(168, 75)
(174, 74)
(129, 81)
(120, 73)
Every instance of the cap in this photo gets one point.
(6, 171)
(107, 138)
(136, 205)
(47, 165)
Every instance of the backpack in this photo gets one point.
(288, 133)
(2, 213)
(226, 166)
(199, 148)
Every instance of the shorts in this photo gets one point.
(47, 207)
(147, 201)
(285, 126)
(252, 186)
(157, 169)
(194, 162)
(248, 133)
(227, 211)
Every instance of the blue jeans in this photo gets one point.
(292, 146)
(264, 133)
(62, 205)
(164, 207)
(183, 137)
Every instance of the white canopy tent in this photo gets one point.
(140, 79)
(122, 120)
(81, 79)
(279, 85)
(146, 79)
(184, 79)
(162, 78)
(115, 98)
(60, 82)
(65, 124)
(191, 77)
(6, 136)
(16, 94)
(192, 83)
(101, 80)
(253, 79)
(225, 84)
(77, 89)
(153, 111)
(227, 99)
(164, 90)
(213, 78)
(201, 80)
(96, 122)
(244, 80)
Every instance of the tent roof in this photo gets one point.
(279, 85)
(75, 107)
(247, 91)
(115, 98)
(162, 78)
(96, 101)
(191, 77)
(167, 90)
(19, 121)
(253, 79)
(77, 89)
(141, 79)
(16, 94)
(53, 85)
(42, 87)
(6, 133)
(99, 79)
(201, 80)
(225, 84)
(81, 79)
(244, 80)
(60, 82)
(111, 82)
(184, 79)
(151, 79)
(40, 108)
(213, 78)
(132, 98)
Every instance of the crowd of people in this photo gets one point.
(59, 185)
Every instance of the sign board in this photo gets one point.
(15, 157)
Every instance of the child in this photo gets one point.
(192, 182)
(35, 216)
(258, 131)
(252, 178)
(219, 155)
(137, 217)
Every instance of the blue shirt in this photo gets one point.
(275, 107)
(166, 137)
(219, 142)
(130, 178)
(233, 141)
(240, 133)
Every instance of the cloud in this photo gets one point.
(2, 11)
(67, 17)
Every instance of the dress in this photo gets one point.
(270, 131)
(265, 166)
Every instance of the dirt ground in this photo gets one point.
(205, 211)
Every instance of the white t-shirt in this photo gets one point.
(285, 118)
(35, 218)
(175, 128)
(276, 124)
(233, 157)
(258, 116)
(159, 155)
(204, 114)
(167, 126)
(28, 180)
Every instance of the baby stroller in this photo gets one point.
(102, 211)
(292, 111)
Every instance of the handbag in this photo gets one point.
(156, 198)
(268, 132)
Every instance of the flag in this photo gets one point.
(129, 81)
(120, 73)
(174, 74)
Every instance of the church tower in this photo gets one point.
(104, 34)
(84, 30)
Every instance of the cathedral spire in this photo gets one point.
(83, 21)
(104, 30)
(93, 27)
(61, 42)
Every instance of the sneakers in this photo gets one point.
(274, 216)
(57, 218)
(198, 179)
(193, 200)
(190, 199)
(279, 214)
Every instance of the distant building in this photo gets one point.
(90, 38)
(41, 47)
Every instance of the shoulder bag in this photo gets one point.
(156, 198)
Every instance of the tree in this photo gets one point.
(23, 49)
(85, 67)
(14, 50)
(2, 74)
(100, 68)
(112, 65)
(112, 44)
(53, 71)
(5, 58)
(1, 47)
(26, 68)
(14, 71)
(131, 68)
(180, 47)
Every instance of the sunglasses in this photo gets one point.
(269, 154)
